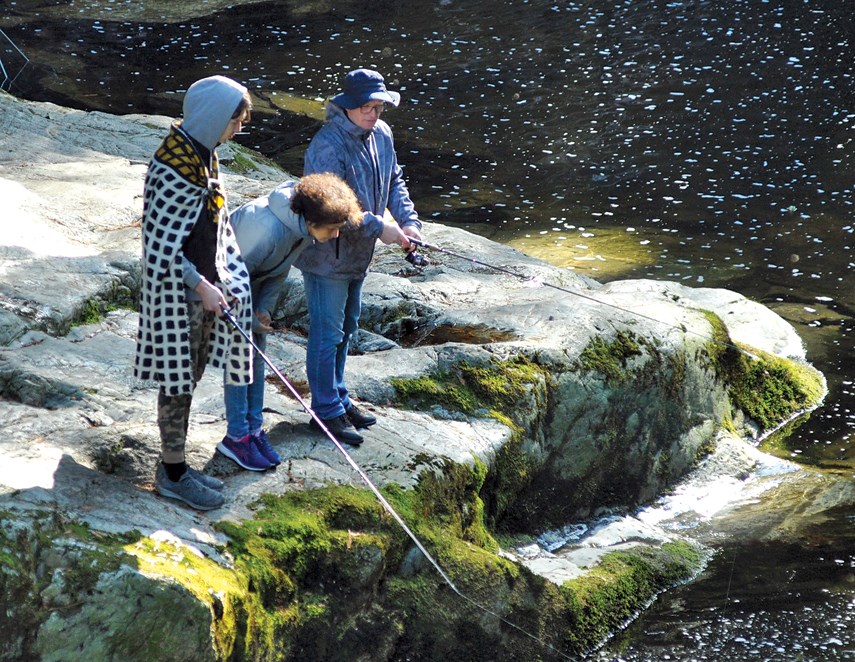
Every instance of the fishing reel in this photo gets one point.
(416, 259)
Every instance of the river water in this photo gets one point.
(706, 142)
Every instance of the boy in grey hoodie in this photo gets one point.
(191, 269)
(272, 231)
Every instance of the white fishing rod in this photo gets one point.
(364, 476)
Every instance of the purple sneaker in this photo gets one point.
(264, 447)
(244, 452)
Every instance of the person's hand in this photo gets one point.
(213, 298)
(265, 322)
(392, 234)
(413, 231)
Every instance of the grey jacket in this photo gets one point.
(271, 237)
(367, 161)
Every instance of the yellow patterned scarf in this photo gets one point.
(178, 152)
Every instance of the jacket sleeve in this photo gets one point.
(256, 247)
(253, 248)
(400, 205)
(371, 226)
(269, 293)
(190, 274)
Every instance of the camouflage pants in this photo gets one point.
(173, 411)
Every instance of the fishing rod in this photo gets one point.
(3, 70)
(537, 281)
(364, 476)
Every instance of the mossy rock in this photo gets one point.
(344, 604)
(770, 390)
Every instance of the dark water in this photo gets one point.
(707, 142)
(771, 600)
(754, 603)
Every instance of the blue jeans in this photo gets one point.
(244, 403)
(334, 307)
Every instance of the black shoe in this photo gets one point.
(359, 418)
(341, 429)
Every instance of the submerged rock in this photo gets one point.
(505, 402)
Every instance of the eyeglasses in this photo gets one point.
(369, 108)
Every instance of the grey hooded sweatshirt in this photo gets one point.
(271, 237)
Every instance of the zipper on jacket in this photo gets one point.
(375, 171)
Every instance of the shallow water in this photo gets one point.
(704, 142)
(780, 584)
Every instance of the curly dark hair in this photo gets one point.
(326, 199)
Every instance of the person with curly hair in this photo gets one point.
(272, 231)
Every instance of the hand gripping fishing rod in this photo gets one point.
(538, 281)
(386, 505)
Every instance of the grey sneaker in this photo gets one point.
(208, 481)
(187, 489)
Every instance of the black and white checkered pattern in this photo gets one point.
(172, 204)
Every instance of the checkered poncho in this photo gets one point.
(177, 186)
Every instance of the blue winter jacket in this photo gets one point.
(271, 237)
(367, 161)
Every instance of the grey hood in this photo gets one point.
(279, 202)
(208, 107)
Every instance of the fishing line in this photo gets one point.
(538, 281)
(386, 505)
(3, 70)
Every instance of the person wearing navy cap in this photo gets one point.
(357, 145)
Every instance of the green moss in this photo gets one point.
(610, 358)
(336, 587)
(502, 386)
(451, 499)
(768, 388)
(719, 344)
(246, 161)
(513, 392)
(621, 585)
(213, 585)
(89, 313)
(439, 389)
(307, 559)
(772, 389)
(513, 471)
(342, 602)
(93, 310)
